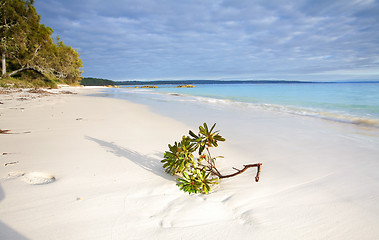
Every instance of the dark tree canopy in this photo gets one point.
(27, 45)
(89, 81)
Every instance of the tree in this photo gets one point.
(13, 15)
(67, 63)
(197, 175)
(27, 45)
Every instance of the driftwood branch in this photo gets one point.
(245, 167)
(10, 163)
(8, 132)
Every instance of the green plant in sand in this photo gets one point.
(197, 175)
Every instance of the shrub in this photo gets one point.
(197, 175)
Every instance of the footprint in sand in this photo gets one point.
(12, 175)
(33, 178)
(37, 178)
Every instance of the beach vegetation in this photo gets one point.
(27, 47)
(90, 81)
(39, 82)
(197, 175)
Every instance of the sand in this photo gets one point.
(84, 167)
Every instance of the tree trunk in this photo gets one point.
(18, 70)
(26, 68)
(3, 65)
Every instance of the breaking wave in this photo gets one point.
(300, 111)
(330, 115)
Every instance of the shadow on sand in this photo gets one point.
(5, 231)
(148, 163)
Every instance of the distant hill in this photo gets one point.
(101, 82)
(189, 82)
(89, 81)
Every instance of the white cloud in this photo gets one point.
(202, 39)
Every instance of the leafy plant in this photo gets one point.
(197, 181)
(179, 157)
(198, 175)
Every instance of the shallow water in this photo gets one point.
(356, 103)
(194, 110)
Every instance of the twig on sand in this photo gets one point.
(10, 163)
(40, 91)
(245, 167)
(67, 92)
(8, 132)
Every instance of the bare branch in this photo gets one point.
(8, 25)
(245, 167)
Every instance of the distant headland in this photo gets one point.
(90, 81)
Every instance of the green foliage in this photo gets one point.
(196, 176)
(30, 83)
(179, 157)
(206, 138)
(197, 181)
(27, 45)
(65, 62)
(88, 81)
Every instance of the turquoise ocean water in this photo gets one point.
(356, 103)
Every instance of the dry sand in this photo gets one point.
(80, 167)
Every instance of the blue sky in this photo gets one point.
(220, 39)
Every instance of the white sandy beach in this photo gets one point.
(319, 179)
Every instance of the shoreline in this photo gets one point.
(105, 157)
(142, 96)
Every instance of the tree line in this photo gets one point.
(89, 81)
(27, 46)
